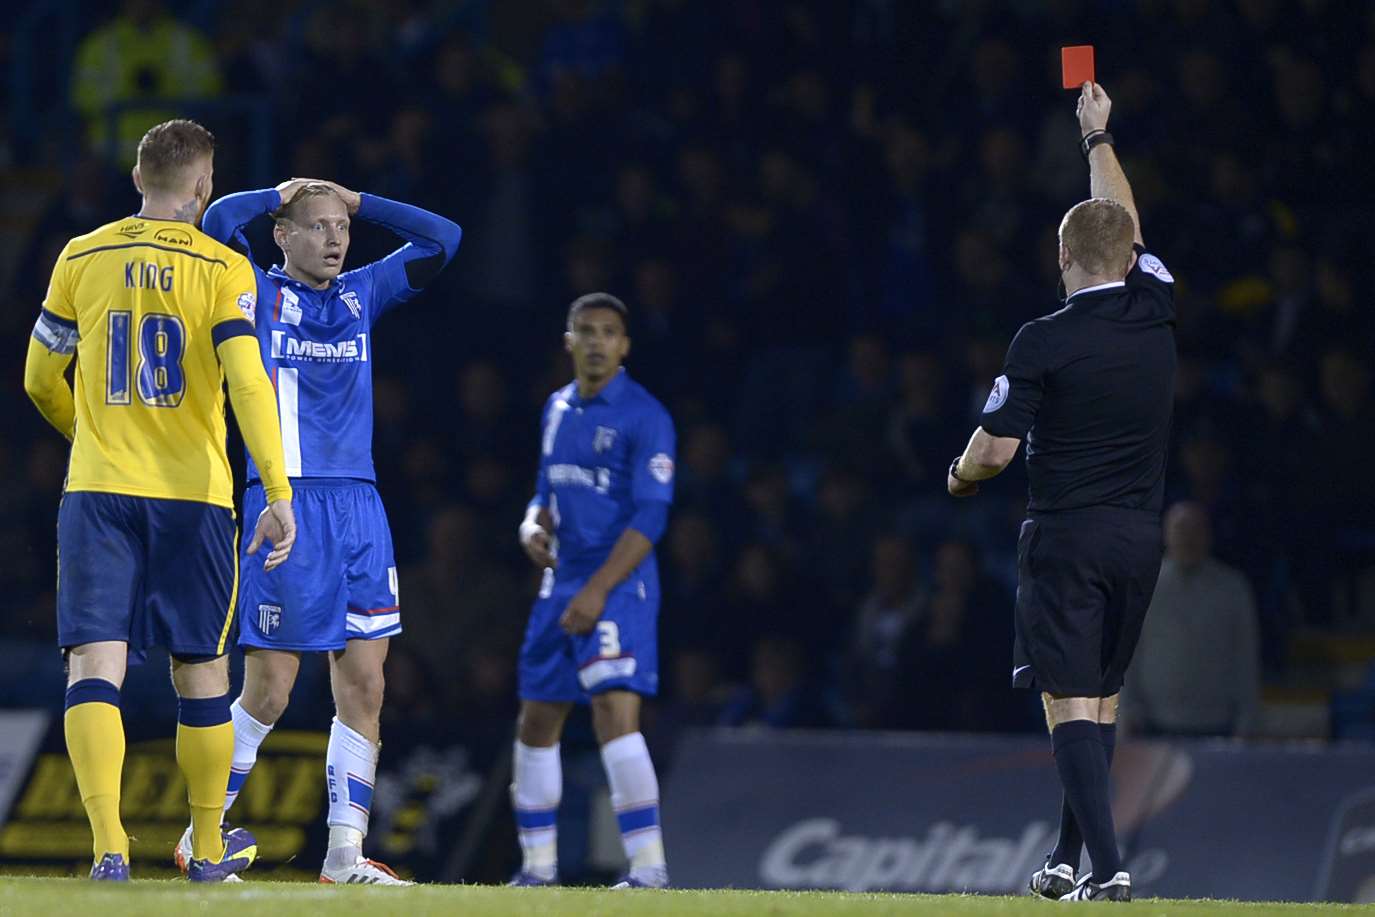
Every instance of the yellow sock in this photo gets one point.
(95, 743)
(204, 754)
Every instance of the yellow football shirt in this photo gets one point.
(146, 296)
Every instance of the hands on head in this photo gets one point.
(289, 189)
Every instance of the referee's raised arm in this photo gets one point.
(1106, 178)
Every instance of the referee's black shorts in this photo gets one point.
(1084, 581)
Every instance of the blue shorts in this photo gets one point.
(339, 583)
(146, 572)
(621, 654)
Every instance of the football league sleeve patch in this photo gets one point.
(1016, 395)
(654, 460)
(1150, 264)
(1149, 277)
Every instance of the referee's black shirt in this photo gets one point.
(1091, 389)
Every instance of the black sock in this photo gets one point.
(1071, 843)
(1081, 759)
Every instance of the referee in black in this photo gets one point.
(1090, 387)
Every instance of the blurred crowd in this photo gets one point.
(828, 219)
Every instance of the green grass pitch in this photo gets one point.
(152, 898)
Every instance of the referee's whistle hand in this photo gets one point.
(958, 488)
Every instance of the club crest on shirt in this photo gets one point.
(998, 396)
(603, 439)
(661, 468)
(350, 299)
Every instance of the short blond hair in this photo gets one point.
(1099, 235)
(314, 189)
(168, 150)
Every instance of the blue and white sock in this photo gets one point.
(248, 737)
(350, 769)
(635, 797)
(536, 789)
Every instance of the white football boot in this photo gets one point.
(361, 872)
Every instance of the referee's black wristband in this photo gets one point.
(1092, 139)
(954, 465)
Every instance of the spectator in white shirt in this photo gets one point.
(1197, 668)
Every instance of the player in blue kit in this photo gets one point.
(601, 502)
(340, 596)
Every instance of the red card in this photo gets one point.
(1076, 66)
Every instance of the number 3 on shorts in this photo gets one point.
(610, 633)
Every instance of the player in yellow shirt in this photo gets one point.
(157, 315)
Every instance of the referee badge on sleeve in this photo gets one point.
(998, 396)
(1153, 265)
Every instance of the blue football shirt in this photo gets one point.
(316, 344)
(601, 459)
